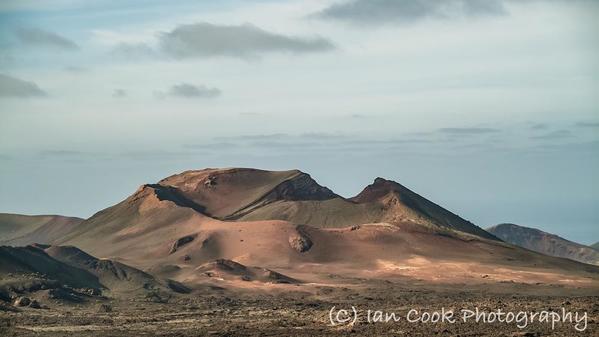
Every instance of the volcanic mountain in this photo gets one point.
(239, 224)
(249, 194)
(545, 243)
(176, 205)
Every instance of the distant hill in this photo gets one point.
(545, 243)
(18, 230)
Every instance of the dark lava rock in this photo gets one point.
(182, 242)
(35, 304)
(104, 308)
(22, 301)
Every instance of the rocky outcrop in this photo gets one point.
(300, 241)
(182, 242)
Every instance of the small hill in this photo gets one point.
(545, 243)
(21, 230)
(228, 269)
(113, 275)
(595, 246)
(24, 269)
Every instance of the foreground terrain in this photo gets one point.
(304, 311)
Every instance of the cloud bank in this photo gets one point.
(468, 131)
(557, 134)
(375, 12)
(208, 40)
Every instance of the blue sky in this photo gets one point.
(489, 110)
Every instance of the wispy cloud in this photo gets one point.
(588, 146)
(119, 93)
(186, 90)
(211, 146)
(75, 69)
(322, 135)
(252, 114)
(539, 126)
(14, 87)
(36, 37)
(62, 153)
(310, 141)
(134, 51)
(252, 137)
(468, 131)
(588, 124)
(557, 134)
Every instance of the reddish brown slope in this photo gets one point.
(228, 193)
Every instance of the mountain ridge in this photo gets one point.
(545, 243)
(247, 194)
(284, 222)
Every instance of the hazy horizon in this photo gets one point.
(489, 109)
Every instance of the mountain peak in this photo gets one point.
(228, 191)
(379, 181)
(378, 189)
(403, 203)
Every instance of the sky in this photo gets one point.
(488, 108)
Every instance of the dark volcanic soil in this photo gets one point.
(304, 311)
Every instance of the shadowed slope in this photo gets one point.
(17, 261)
(73, 273)
(403, 204)
(149, 209)
(114, 275)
